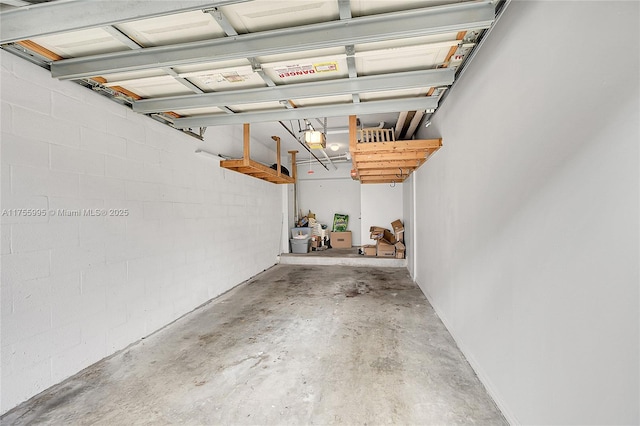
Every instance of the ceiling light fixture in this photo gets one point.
(334, 147)
(315, 139)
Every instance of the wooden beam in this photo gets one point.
(405, 164)
(453, 49)
(128, 93)
(40, 50)
(353, 137)
(294, 167)
(397, 146)
(43, 51)
(390, 156)
(365, 181)
(253, 172)
(383, 172)
(231, 163)
(384, 177)
(277, 139)
(400, 123)
(246, 136)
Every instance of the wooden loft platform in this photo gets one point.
(247, 166)
(389, 161)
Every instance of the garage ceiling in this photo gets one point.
(196, 64)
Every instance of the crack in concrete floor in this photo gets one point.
(294, 345)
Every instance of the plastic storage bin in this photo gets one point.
(300, 231)
(300, 245)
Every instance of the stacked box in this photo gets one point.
(376, 232)
(369, 250)
(398, 230)
(388, 243)
(384, 249)
(341, 239)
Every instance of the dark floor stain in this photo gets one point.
(360, 288)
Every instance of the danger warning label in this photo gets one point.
(298, 70)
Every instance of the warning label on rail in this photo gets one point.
(326, 67)
(297, 70)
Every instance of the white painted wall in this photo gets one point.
(528, 216)
(326, 193)
(381, 204)
(76, 289)
(408, 206)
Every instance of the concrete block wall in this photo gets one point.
(527, 218)
(178, 231)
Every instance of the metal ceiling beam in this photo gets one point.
(222, 20)
(346, 86)
(122, 37)
(337, 110)
(367, 29)
(344, 6)
(186, 83)
(16, 3)
(63, 16)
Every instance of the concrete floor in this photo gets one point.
(294, 345)
(344, 257)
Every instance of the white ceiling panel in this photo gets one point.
(325, 100)
(172, 29)
(273, 53)
(153, 86)
(225, 79)
(373, 7)
(296, 56)
(194, 112)
(256, 107)
(409, 42)
(80, 43)
(218, 81)
(391, 94)
(305, 70)
(184, 70)
(402, 58)
(133, 75)
(263, 15)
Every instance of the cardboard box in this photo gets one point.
(341, 239)
(384, 249)
(398, 229)
(397, 226)
(388, 237)
(376, 232)
(369, 250)
(400, 249)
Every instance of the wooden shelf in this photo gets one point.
(247, 166)
(387, 162)
(257, 170)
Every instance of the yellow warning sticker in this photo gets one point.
(326, 67)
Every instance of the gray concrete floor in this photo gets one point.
(344, 257)
(295, 345)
